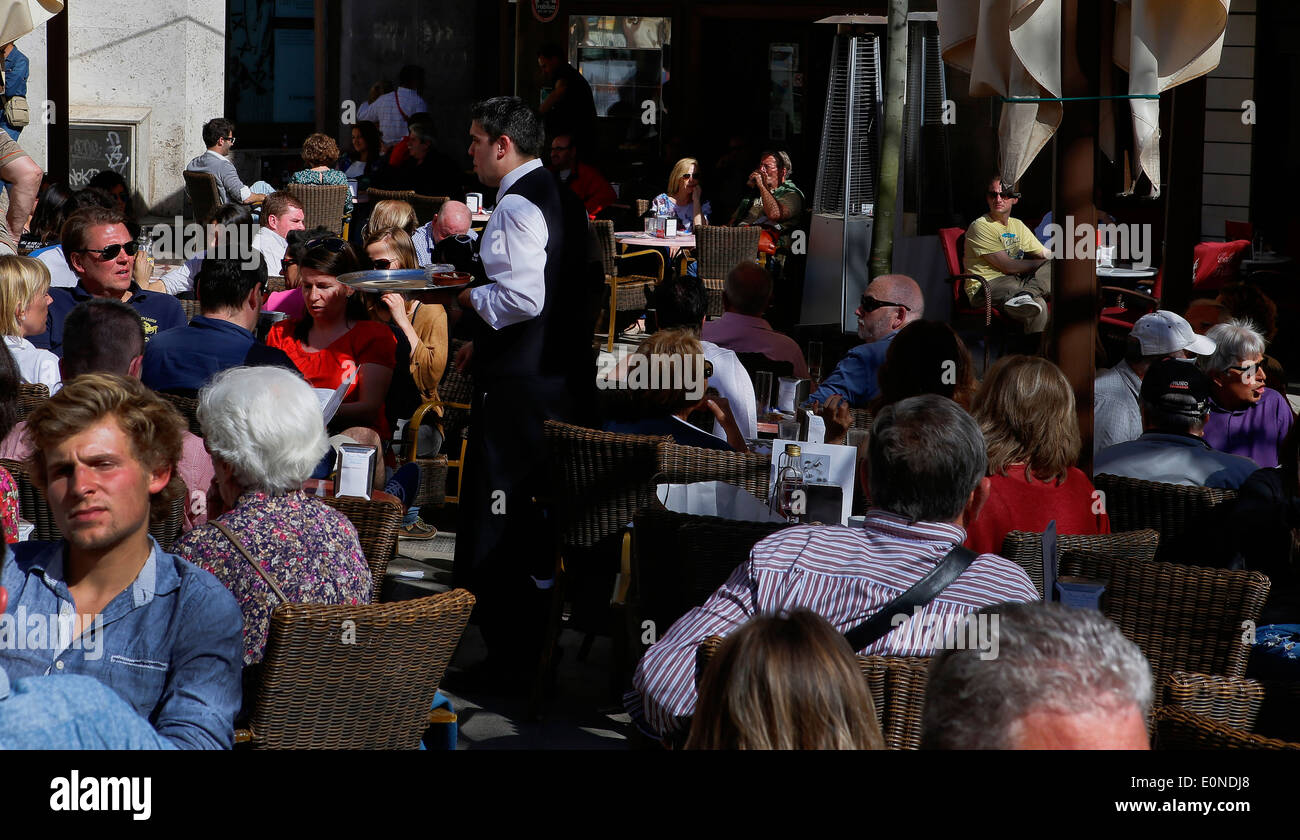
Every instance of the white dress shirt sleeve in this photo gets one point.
(514, 255)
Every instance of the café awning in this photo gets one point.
(18, 17)
(1012, 49)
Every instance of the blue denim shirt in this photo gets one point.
(170, 644)
(854, 378)
(70, 713)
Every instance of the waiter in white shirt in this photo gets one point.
(531, 359)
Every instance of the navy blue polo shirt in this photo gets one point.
(158, 312)
(184, 360)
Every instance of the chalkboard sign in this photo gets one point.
(94, 148)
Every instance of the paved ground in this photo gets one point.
(581, 713)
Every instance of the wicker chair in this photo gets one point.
(1185, 618)
(454, 394)
(389, 195)
(377, 523)
(626, 294)
(322, 204)
(33, 507)
(189, 409)
(191, 308)
(204, 194)
(427, 206)
(718, 250)
(1180, 729)
(897, 685)
(275, 284)
(1025, 549)
(1266, 708)
(642, 207)
(353, 677)
(1179, 513)
(684, 464)
(862, 419)
(30, 396)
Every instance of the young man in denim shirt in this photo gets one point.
(107, 601)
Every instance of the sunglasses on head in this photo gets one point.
(330, 243)
(870, 304)
(1007, 194)
(110, 252)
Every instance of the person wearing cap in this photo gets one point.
(1013, 264)
(1116, 415)
(1246, 418)
(1175, 404)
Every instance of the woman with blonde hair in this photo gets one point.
(25, 301)
(682, 198)
(1026, 410)
(785, 683)
(393, 213)
(320, 153)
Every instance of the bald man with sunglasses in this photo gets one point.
(100, 251)
(891, 302)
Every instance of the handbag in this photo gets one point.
(16, 111)
(225, 529)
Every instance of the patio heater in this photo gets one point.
(843, 209)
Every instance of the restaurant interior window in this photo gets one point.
(625, 59)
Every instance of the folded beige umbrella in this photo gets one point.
(18, 17)
(1012, 48)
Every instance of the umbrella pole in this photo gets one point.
(1074, 322)
(56, 63)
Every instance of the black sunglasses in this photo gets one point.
(870, 304)
(1007, 194)
(110, 252)
(380, 265)
(330, 243)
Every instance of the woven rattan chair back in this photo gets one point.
(201, 187)
(897, 685)
(189, 409)
(389, 195)
(354, 677)
(191, 308)
(427, 206)
(1172, 509)
(275, 284)
(604, 230)
(30, 396)
(720, 248)
(1025, 549)
(377, 523)
(1185, 618)
(685, 464)
(642, 207)
(598, 480)
(33, 508)
(322, 204)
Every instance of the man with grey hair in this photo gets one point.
(1064, 678)
(1246, 418)
(742, 328)
(927, 472)
(453, 221)
(891, 302)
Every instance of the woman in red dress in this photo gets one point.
(334, 340)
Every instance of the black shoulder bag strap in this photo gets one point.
(921, 593)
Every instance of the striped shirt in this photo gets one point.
(845, 575)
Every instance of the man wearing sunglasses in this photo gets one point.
(219, 137)
(1010, 259)
(891, 302)
(100, 251)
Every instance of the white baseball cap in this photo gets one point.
(1163, 332)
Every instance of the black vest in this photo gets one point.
(555, 342)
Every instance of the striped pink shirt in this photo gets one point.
(845, 575)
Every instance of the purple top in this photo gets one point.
(1254, 432)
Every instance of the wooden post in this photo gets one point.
(57, 145)
(1074, 305)
(1184, 192)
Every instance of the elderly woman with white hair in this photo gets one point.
(264, 430)
(1246, 418)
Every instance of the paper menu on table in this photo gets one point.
(330, 400)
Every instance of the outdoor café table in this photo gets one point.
(1265, 261)
(638, 239)
(1130, 276)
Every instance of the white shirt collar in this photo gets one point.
(218, 154)
(515, 174)
(18, 343)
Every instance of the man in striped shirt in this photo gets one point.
(927, 462)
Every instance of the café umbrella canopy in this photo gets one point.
(1012, 49)
(18, 17)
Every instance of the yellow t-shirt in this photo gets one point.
(985, 236)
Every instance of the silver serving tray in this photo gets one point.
(400, 280)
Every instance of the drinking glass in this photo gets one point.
(763, 392)
(815, 361)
